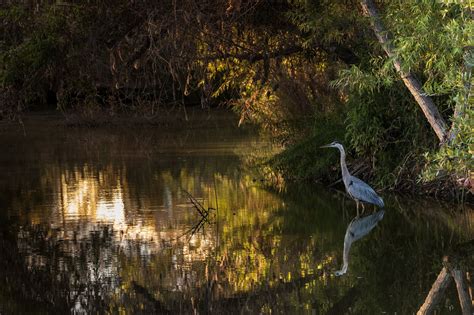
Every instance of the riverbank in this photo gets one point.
(171, 118)
(308, 163)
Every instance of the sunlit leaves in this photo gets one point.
(456, 158)
(429, 38)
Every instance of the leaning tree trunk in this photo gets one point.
(425, 102)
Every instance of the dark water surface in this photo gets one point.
(98, 221)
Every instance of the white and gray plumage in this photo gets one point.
(358, 228)
(356, 188)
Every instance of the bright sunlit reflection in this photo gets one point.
(89, 200)
(101, 200)
(112, 211)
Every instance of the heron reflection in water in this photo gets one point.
(356, 188)
(357, 228)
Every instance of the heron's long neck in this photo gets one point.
(348, 239)
(345, 257)
(345, 171)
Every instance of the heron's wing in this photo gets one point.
(359, 227)
(359, 190)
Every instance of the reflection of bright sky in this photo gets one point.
(112, 211)
(88, 202)
(76, 198)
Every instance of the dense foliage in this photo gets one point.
(308, 72)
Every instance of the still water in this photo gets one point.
(99, 220)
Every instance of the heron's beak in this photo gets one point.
(326, 146)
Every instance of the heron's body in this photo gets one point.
(355, 187)
(358, 228)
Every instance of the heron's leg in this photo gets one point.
(357, 203)
(363, 207)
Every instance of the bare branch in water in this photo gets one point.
(199, 207)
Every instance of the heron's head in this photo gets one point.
(333, 144)
(342, 271)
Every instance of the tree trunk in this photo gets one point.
(411, 82)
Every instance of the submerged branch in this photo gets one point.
(436, 293)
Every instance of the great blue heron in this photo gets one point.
(356, 188)
(358, 228)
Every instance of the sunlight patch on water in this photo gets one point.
(112, 211)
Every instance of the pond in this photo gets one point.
(108, 220)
